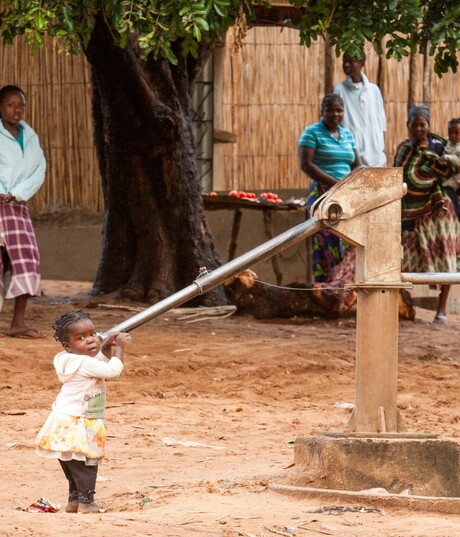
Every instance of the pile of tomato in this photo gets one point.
(243, 195)
(250, 196)
(271, 196)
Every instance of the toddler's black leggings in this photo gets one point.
(82, 480)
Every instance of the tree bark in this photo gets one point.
(427, 70)
(328, 66)
(155, 234)
(412, 86)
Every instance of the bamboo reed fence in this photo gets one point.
(271, 90)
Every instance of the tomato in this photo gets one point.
(271, 196)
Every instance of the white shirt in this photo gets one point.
(365, 117)
(83, 379)
(452, 153)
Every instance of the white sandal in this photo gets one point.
(440, 318)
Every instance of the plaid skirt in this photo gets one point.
(432, 246)
(20, 258)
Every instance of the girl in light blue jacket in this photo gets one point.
(22, 172)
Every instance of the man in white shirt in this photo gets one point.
(364, 111)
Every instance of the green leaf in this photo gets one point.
(169, 54)
(38, 40)
(40, 22)
(196, 33)
(217, 8)
(202, 23)
(66, 18)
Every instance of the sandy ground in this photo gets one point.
(243, 390)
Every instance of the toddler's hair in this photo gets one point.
(453, 121)
(61, 325)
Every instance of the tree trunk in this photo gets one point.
(412, 86)
(328, 66)
(155, 235)
(427, 70)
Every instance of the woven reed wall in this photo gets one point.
(272, 90)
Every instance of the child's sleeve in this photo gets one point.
(453, 157)
(101, 369)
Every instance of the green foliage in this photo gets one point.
(395, 27)
(442, 24)
(156, 24)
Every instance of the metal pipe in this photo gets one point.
(208, 280)
(431, 278)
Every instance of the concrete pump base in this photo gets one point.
(433, 504)
(424, 473)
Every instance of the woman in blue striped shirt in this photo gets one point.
(327, 154)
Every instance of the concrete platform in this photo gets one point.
(433, 504)
(421, 467)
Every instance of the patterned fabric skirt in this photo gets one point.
(326, 252)
(21, 258)
(71, 437)
(326, 249)
(333, 294)
(433, 244)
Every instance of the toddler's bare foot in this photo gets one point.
(88, 508)
(72, 507)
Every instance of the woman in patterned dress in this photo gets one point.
(327, 154)
(429, 223)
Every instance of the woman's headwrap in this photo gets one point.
(418, 110)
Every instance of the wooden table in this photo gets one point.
(268, 208)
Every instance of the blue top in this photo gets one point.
(333, 156)
(20, 138)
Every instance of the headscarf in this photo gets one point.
(418, 110)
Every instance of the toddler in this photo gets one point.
(74, 432)
(452, 153)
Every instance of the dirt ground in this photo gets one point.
(242, 390)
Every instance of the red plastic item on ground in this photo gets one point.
(42, 505)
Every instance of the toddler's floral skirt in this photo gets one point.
(71, 437)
